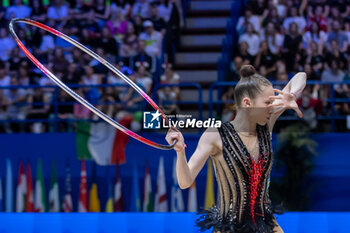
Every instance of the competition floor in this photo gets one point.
(293, 222)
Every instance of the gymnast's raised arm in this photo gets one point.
(187, 171)
(287, 98)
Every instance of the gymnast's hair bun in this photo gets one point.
(247, 71)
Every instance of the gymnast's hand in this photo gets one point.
(285, 100)
(173, 134)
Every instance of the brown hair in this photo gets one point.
(250, 84)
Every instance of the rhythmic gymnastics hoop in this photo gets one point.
(75, 95)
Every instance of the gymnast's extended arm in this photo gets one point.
(187, 171)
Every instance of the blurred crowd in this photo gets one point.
(282, 37)
(136, 36)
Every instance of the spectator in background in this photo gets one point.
(59, 62)
(102, 11)
(108, 43)
(158, 22)
(153, 39)
(324, 6)
(15, 60)
(317, 17)
(114, 79)
(63, 44)
(4, 77)
(24, 78)
(259, 7)
(314, 35)
(124, 5)
(339, 36)
(80, 111)
(282, 77)
(252, 40)
(18, 10)
(131, 99)
(236, 65)
(141, 8)
(335, 15)
(107, 102)
(15, 106)
(311, 74)
(229, 110)
(265, 59)
(273, 39)
(144, 78)
(164, 9)
(168, 95)
(291, 45)
(272, 17)
(333, 74)
(6, 44)
(38, 108)
(117, 24)
(90, 78)
(72, 76)
(335, 54)
(89, 38)
(130, 44)
(310, 107)
(78, 11)
(294, 17)
(3, 21)
(64, 111)
(142, 56)
(172, 35)
(47, 44)
(315, 58)
(170, 77)
(248, 17)
(58, 11)
(38, 12)
(244, 54)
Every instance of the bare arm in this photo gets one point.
(286, 98)
(187, 171)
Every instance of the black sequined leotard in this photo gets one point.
(244, 204)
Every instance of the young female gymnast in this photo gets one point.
(242, 155)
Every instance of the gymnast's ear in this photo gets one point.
(246, 102)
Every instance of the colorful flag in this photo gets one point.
(177, 202)
(148, 198)
(94, 203)
(82, 138)
(39, 201)
(192, 198)
(109, 205)
(21, 189)
(30, 195)
(135, 205)
(83, 205)
(118, 195)
(161, 203)
(54, 194)
(6, 3)
(209, 190)
(9, 187)
(102, 142)
(1, 198)
(67, 205)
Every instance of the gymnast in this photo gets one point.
(242, 156)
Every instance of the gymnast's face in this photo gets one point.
(258, 110)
